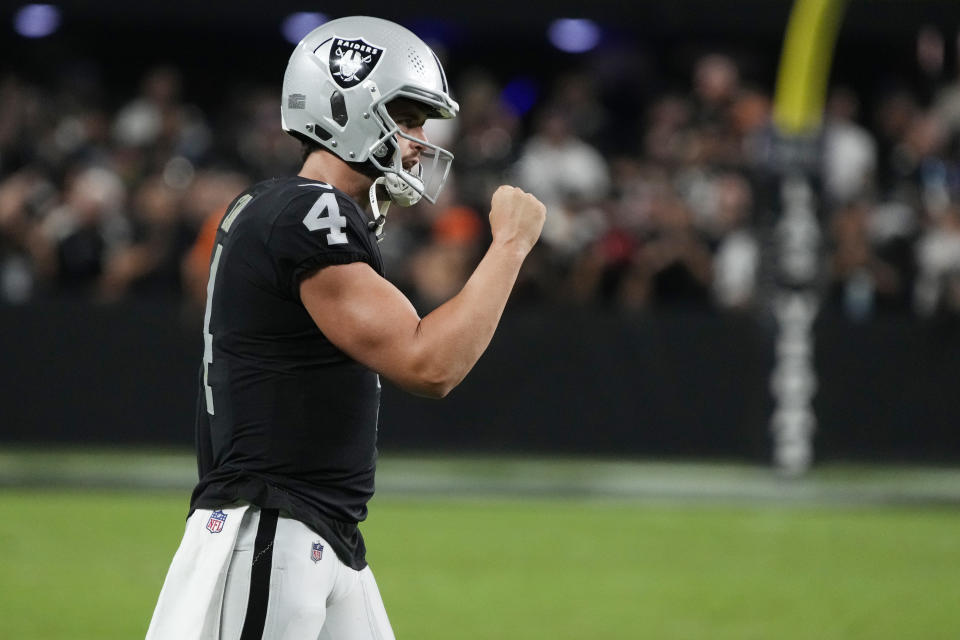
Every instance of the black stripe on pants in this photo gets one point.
(256, 616)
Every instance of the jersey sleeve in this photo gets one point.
(316, 229)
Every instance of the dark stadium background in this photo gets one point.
(558, 378)
(243, 43)
(608, 469)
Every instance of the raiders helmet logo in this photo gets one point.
(352, 60)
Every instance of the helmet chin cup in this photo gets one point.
(405, 190)
(392, 188)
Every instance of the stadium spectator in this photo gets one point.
(893, 117)
(262, 149)
(21, 122)
(76, 238)
(849, 151)
(938, 254)
(570, 177)
(737, 254)
(486, 141)
(671, 217)
(750, 120)
(674, 258)
(578, 96)
(600, 273)
(151, 262)
(204, 204)
(158, 119)
(440, 269)
(667, 139)
(716, 86)
(930, 63)
(862, 280)
(24, 197)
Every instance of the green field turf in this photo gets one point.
(89, 564)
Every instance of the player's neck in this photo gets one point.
(328, 168)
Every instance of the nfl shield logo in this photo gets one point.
(316, 554)
(352, 60)
(215, 523)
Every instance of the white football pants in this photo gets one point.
(242, 573)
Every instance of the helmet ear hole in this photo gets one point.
(338, 109)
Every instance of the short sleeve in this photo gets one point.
(318, 228)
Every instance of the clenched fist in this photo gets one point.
(516, 218)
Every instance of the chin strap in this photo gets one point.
(379, 204)
(387, 189)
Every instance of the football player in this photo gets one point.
(299, 325)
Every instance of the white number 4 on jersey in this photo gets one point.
(325, 214)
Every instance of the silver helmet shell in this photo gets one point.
(341, 77)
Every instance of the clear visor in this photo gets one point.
(429, 175)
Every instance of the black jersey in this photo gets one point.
(285, 419)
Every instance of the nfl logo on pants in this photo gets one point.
(316, 553)
(215, 523)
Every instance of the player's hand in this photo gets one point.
(516, 218)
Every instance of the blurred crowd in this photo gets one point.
(110, 203)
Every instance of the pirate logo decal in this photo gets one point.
(352, 60)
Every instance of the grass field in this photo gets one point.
(89, 564)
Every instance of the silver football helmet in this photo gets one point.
(337, 85)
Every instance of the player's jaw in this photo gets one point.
(409, 117)
(410, 162)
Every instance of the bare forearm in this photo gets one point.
(373, 322)
(453, 337)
